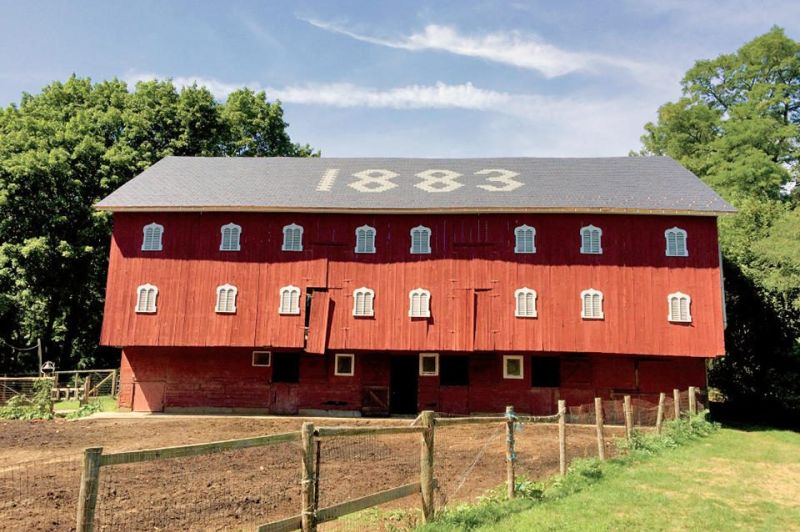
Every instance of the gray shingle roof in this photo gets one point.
(656, 185)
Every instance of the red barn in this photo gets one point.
(376, 286)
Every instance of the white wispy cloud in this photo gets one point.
(514, 48)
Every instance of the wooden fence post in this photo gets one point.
(662, 399)
(426, 465)
(114, 384)
(676, 397)
(511, 456)
(598, 419)
(628, 413)
(692, 400)
(87, 385)
(562, 437)
(308, 502)
(87, 496)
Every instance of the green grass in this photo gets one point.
(107, 404)
(729, 480)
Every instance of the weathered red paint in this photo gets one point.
(203, 378)
(471, 273)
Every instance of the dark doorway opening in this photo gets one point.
(545, 372)
(454, 371)
(403, 385)
(286, 367)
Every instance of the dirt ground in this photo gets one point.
(40, 472)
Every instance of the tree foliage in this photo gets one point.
(737, 126)
(64, 149)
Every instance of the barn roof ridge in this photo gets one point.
(641, 185)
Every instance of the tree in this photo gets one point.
(737, 126)
(64, 149)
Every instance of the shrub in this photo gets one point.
(38, 406)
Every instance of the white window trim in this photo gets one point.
(226, 287)
(590, 227)
(521, 359)
(160, 229)
(139, 290)
(676, 319)
(352, 365)
(593, 292)
(292, 227)
(269, 359)
(427, 249)
(238, 237)
(676, 230)
(525, 290)
(517, 231)
(369, 229)
(434, 373)
(423, 314)
(283, 290)
(369, 292)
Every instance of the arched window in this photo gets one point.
(363, 299)
(421, 240)
(230, 237)
(419, 304)
(676, 242)
(679, 308)
(292, 238)
(151, 239)
(365, 239)
(592, 304)
(226, 299)
(525, 239)
(146, 296)
(526, 303)
(591, 243)
(290, 300)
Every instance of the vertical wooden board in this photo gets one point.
(318, 323)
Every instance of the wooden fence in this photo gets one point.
(310, 436)
(85, 384)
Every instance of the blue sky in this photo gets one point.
(402, 78)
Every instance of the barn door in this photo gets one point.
(285, 383)
(318, 320)
(148, 396)
(483, 327)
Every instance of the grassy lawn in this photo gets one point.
(107, 404)
(733, 479)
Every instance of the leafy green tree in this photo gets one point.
(737, 126)
(64, 149)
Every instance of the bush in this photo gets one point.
(37, 406)
(85, 410)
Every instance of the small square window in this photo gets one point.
(262, 358)
(344, 365)
(429, 364)
(512, 367)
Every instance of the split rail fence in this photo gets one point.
(315, 441)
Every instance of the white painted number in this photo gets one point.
(505, 177)
(376, 180)
(439, 181)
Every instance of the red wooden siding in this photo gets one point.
(472, 274)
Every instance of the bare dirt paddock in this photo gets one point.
(40, 470)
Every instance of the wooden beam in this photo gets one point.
(598, 419)
(356, 505)
(309, 504)
(676, 397)
(448, 421)
(426, 479)
(662, 399)
(628, 412)
(87, 495)
(327, 432)
(562, 437)
(129, 457)
(511, 456)
(284, 525)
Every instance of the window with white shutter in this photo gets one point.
(230, 235)
(365, 239)
(146, 296)
(525, 239)
(151, 238)
(591, 240)
(592, 304)
(420, 240)
(292, 238)
(290, 300)
(226, 299)
(679, 308)
(525, 299)
(363, 299)
(419, 303)
(676, 242)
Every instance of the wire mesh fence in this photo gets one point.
(40, 495)
(24, 387)
(72, 384)
(228, 489)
